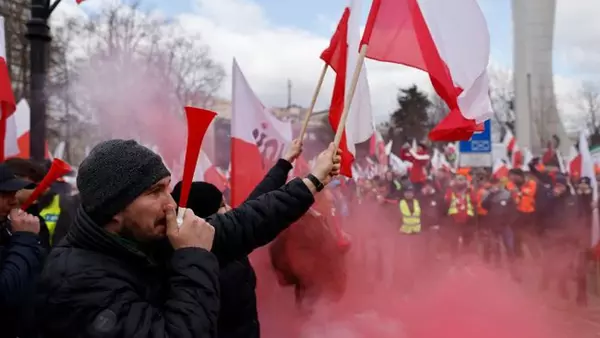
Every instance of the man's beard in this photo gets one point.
(149, 246)
(127, 233)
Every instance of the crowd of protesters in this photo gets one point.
(534, 214)
(109, 259)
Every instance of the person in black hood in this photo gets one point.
(114, 275)
(21, 259)
(238, 316)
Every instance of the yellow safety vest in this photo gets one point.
(453, 210)
(411, 223)
(50, 215)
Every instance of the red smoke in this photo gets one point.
(396, 290)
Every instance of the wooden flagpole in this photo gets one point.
(349, 95)
(312, 103)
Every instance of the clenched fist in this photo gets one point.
(22, 221)
(328, 164)
(194, 232)
(294, 151)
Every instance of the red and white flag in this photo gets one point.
(16, 142)
(341, 56)
(377, 148)
(447, 39)
(574, 163)
(7, 98)
(517, 157)
(208, 172)
(258, 139)
(360, 123)
(509, 141)
(336, 56)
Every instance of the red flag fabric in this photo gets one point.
(198, 121)
(575, 167)
(397, 31)
(336, 56)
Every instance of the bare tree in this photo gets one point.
(502, 96)
(117, 47)
(589, 104)
(16, 14)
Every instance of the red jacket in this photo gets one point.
(417, 173)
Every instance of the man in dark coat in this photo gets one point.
(238, 316)
(110, 277)
(21, 259)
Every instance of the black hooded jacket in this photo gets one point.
(97, 285)
(238, 317)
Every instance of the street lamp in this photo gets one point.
(38, 34)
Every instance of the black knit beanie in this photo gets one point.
(114, 174)
(204, 200)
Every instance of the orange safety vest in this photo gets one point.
(525, 197)
(480, 210)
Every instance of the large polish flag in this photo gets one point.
(7, 98)
(447, 39)
(342, 55)
(258, 139)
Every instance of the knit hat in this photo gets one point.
(204, 199)
(114, 174)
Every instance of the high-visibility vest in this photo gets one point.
(453, 210)
(50, 215)
(411, 222)
(525, 196)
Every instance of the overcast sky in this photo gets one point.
(274, 40)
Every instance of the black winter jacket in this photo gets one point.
(95, 285)
(238, 316)
(21, 261)
(501, 209)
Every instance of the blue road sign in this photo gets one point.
(480, 142)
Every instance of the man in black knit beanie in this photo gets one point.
(110, 277)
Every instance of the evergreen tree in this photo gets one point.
(411, 119)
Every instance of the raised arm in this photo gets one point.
(257, 222)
